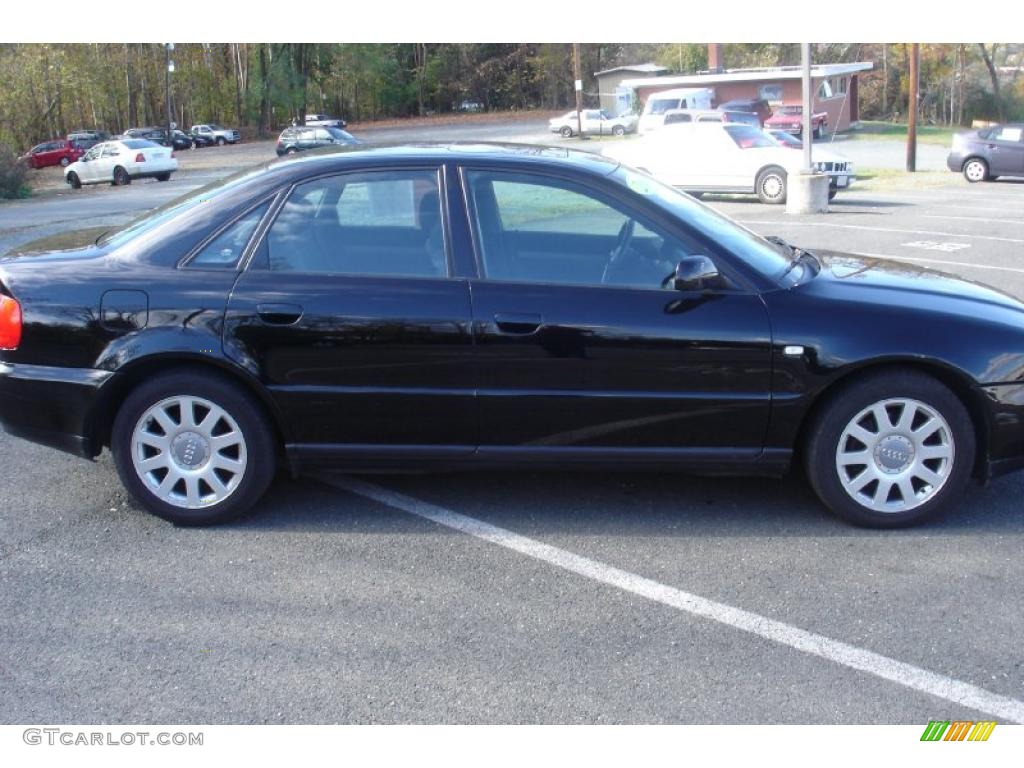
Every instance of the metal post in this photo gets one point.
(168, 47)
(577, 76)
(808, 134)
(915, 53)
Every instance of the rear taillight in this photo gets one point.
(140, 158)
(10, 323)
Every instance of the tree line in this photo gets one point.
(51, 89)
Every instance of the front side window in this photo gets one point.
(537, 229)
(226, 248)
(374, 223)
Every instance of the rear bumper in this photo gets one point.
(51, 406)
(955, 161)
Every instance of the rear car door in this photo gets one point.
(349, 317)
(583, 352)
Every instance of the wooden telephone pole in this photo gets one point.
(578, 77)
(915, 57)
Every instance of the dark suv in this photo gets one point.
(300, 138)
(988, 153)
(759, 107)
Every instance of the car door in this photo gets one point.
(89, 168)
(349, 317)
(580, 349)
(50, 154)
(1006, 150)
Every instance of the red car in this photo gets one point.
(790, 117)
(57, 152)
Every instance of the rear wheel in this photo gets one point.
(193, 448)
(832, 194)
(291, 151)
(976, 170)
(566, 132)
(163, 177)
(74, 181)
(221, 141)
(771, 186)
(819, 131)
(890, 450)
(618, 130)
(121, 177)
(64, 162)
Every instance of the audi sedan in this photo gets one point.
(456, 307)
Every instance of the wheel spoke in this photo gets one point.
(167, 484)
(192, 490)
(906, 418)
(927, 429)
(854, 458)
(882, 491)
(165, 421)
(228, 440)
(881, 417)
(159, 442)
(934, 452)
(231, 465)
(160, 461)
(863, 479)
(907, 490)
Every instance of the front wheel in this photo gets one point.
(74, 181)
(163, 177)
(891, 450)
(121, 177)
(64, 162)
(220, 141)
(566, 132)
(976, 170)
(819, 131)
(832, 194)
(193, 448)
(771, 186)
(618, 130)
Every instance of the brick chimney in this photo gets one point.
(716, 59)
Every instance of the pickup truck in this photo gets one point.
(790, 118)
(323, 121)
(219, 136)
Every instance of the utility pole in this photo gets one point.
(915, 56)
(578, 77)
(808, 134)
(168, 47)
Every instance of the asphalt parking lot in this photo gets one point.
(512, 598)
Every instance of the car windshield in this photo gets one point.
(748, 137)
(341, 135)
(661, 106)
(768, 259)
(148, 221)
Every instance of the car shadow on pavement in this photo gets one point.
(628, 504)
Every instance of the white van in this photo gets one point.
(661, 102)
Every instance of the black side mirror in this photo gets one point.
(695, 273)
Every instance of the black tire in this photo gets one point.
(827, 428)
(566, 132)
(221, 141)
(193, 145)
(291, 151)
(832, 194)
(163, 177)
(618, 130)
(64, 162)
(976, 169)
(239, 404)
(121, 177)
(771, 185)
(819, 131)
(73, 181)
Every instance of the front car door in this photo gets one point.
(348, 316)
(581, 350)
(1006, 150)
(90, 167)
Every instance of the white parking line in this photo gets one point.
(972, 218)
(936, 261)
(778, 223)
(904, 674)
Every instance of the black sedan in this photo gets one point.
(456, 307)
(988, 153)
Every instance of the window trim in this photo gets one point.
(438, 169)
(741, 284)
(239, 263)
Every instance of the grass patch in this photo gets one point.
(926, 134)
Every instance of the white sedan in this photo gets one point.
(593, 122)
(724, 157)
(119, 162)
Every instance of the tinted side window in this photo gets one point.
(227, 247)
(545, 230)
(375, 223)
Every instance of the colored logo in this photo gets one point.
(958, 730)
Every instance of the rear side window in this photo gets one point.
(226, 249)
(373, 223)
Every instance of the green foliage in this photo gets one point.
(12, 175)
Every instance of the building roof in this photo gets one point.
(747, 75)
(649, 68)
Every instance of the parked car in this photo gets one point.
(84, 139)
(759, 107)
(180, 140)
(558, 309)
(201, 139)
(675, 116)
(825, 160)
(790, 117)
(218, 135)
(594, 122)
(988, 153)
(121, 162)
(323, 121)
(468, 105)
(57, 152)
(653, 115)
(722, 157)
(293, 140)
